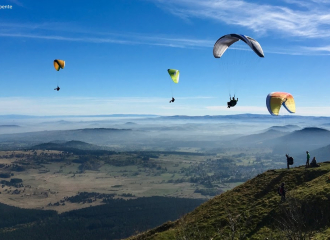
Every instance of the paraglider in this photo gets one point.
(58, 64)
(275, 100)
(220, 47)
(175, 75)
(226, 41)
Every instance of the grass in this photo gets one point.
(52, 181)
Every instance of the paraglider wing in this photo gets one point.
(275, 100)
(289, 104)
(59, 64)
(175, 74)
(255, 46)
(226, 41)
(222, 44)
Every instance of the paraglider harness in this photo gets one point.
(290, 160)
(57, 89)
(172, 100)
(232, 102)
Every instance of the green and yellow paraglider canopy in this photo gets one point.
(58, 64)
(175, 74)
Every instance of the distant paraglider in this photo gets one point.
(58, 64)
(175, 75)
(275, 100)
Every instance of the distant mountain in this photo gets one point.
(9, 126)
(100, 130)
(17, 116)
(214, 117)
(130, 123)
(260, 138)
(300, 141)
(100, 136)
(286, 128)
(67, 146)
(321, 154)
(58, 122)
(242, 116)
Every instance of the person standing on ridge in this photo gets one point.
(281, 192)
(289, 161)
(308, 157)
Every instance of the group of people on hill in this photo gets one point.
(289, 161)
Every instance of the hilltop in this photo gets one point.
(285, 128)
(66, 146)
(253, 210)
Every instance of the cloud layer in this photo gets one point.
(159, 106)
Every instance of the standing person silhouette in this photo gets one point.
(308, 157)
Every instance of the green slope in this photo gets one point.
(254, 210)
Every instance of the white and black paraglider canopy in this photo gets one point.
(227, 40)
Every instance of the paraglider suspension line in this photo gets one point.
(171, 89)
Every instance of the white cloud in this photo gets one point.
(313, 111)
(98, 106)
(319, 49)
(61, 38)
(301, 111)
(156, 41)
(139, 40)
(312, 21)
(16, 2)
(60, 106)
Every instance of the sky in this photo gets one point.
(117, 53)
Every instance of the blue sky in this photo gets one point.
(117, 53)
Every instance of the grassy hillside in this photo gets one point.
(254, 210)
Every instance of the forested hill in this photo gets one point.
(115, 219)
(254, 210)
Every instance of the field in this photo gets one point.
(46, 179)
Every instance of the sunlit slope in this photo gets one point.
(254, 208)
